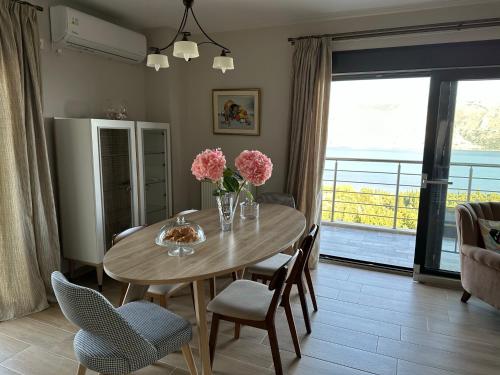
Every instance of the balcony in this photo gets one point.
(370, 207)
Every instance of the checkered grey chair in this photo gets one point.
(118, 341)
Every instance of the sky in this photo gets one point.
(378, 113)
(391, 113)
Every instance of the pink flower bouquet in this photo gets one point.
(251, 166)
(210, 164)
(254, 166)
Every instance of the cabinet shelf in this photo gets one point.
(154, 153)
(154, 182)
(115, 156)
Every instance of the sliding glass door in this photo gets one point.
(371, 180)
(461, 161)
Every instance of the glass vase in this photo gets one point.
(249, 210)
(227, 203)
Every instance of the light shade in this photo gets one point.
(223, 63)
(157, 61)
(186, 49)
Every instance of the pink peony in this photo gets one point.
(209, 164)
(254, 166)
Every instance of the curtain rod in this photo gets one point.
(402, 30)
(37, 7)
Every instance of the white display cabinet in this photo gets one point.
(112, 175)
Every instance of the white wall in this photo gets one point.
(76, 84)
(80, 85)
(166, 102)
(263, 60)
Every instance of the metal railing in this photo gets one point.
(388, 181)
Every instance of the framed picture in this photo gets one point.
(236, 111)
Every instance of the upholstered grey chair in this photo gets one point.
(277, 198)
(118, 341)
(480, 267)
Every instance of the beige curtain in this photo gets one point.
(29, 244)
(312, 72)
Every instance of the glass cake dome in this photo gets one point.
(179, 235)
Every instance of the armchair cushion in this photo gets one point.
(490, 231)
(485, 257)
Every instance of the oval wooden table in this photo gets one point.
(137, 260)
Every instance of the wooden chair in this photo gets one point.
(265, 270)
(160, 293)
(246, 302)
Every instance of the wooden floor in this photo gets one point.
(368, 322)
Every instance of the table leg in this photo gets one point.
(135, 293)
(201, 320)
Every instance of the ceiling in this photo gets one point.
(225, 15)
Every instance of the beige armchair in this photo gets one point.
(480, 268)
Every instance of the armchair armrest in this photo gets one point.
(489, 258)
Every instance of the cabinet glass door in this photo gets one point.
(115, 157)
(153, 172)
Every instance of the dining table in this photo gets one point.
(140, 262)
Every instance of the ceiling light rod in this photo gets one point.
(403, 30)
(180, 31)
(187, 49)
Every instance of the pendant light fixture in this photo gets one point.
(186, 49)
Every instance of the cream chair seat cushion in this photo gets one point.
(269, 266)
(243, 299)
(163, 288)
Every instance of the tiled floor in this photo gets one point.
(396, 249)
(368, 323)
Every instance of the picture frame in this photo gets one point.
(236, 111)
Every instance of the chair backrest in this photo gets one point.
(127, 232)
(277, 198)
(306, 245)
(467, 216)
(92, 312)
(278, 280)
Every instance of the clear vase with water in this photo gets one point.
(227, 203)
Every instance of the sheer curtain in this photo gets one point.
(29, 241)
(311, 80)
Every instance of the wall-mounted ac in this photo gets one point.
(73, 29)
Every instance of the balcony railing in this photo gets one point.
(385, 193)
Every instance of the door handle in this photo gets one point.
(441, 181)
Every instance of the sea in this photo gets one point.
(383, 175)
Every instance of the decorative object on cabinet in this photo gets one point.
(116, 113)
(187, 49)
(236, 111)
(112, 175)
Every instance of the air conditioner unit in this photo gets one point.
(73, 29)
